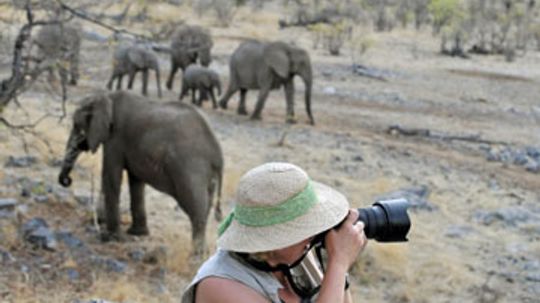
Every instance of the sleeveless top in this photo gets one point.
(225, 265)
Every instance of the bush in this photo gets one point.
(224, 10)
(332, 36)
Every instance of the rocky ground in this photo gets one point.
(473, 179)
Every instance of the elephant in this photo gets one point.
(189, 44)
(130, 59)
(267, 66)
(202, 79)
(169, 146)
(61, 41)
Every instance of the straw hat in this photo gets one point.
(276, 206)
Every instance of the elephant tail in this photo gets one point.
(218, 215)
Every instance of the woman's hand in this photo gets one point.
(346, 242)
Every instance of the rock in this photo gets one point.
(492, 156)
(329, 90)
(6, 257)
(416, 196)
(94, 36)
(7, 208)
(42, 237)
(115, 265)
(358, 158)
(41, 198)
(37, 233)
(72, 274)
(34, 187)
(533, 167)
(33, 224)
(508, 215)
(8, 204)
(457, 231)
(62, 194)
(92, 301)
(111, 265)
(69, 240)
(156, 256)
(84, 200)
(136, 255)
(56, 162)
(533, 152)
(533, 277)
(520, 158)
(24, 161)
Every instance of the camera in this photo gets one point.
(386, 220)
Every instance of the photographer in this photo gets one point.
(278, 213)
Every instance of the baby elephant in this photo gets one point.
(130, 59)
(202, 79)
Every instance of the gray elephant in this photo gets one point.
(169, 146)
(190, 43)
(61, 42)
(130, 59)
(268, 66)
(201, 79)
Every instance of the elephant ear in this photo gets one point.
(275, 55)
(100, 122)
(136, 56)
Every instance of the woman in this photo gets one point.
(278, 214)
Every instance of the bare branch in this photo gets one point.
(23, 126)
(85, 16)
(426, 133)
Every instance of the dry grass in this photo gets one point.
(429, 268)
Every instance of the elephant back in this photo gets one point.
(188, 41)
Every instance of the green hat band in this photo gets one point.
(259, 216)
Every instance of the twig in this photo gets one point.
(426, 133)
(84, 15)
(23, 126)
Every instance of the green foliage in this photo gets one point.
(333, 36)
(445, 12)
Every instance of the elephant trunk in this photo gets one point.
(308, 86)
(72, 152)
(158, 81)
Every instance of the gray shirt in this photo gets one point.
(223, 265)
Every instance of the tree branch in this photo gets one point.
(426, 133)
(85, 16)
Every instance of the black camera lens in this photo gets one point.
(386, 220)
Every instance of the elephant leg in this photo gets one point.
(111, 182)
(138, 214)
(119, 81)
(203, 95)
(193, 96)
(174, 69)
(289, 97)
(263, 94)
(131, 79)
(111, 80)
(213, 96)
(191, 193)
(242, 104)
(145, 82)
(184, 92)
(230, 91)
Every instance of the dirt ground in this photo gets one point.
(348, 148)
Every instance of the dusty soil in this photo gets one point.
(348, 148)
